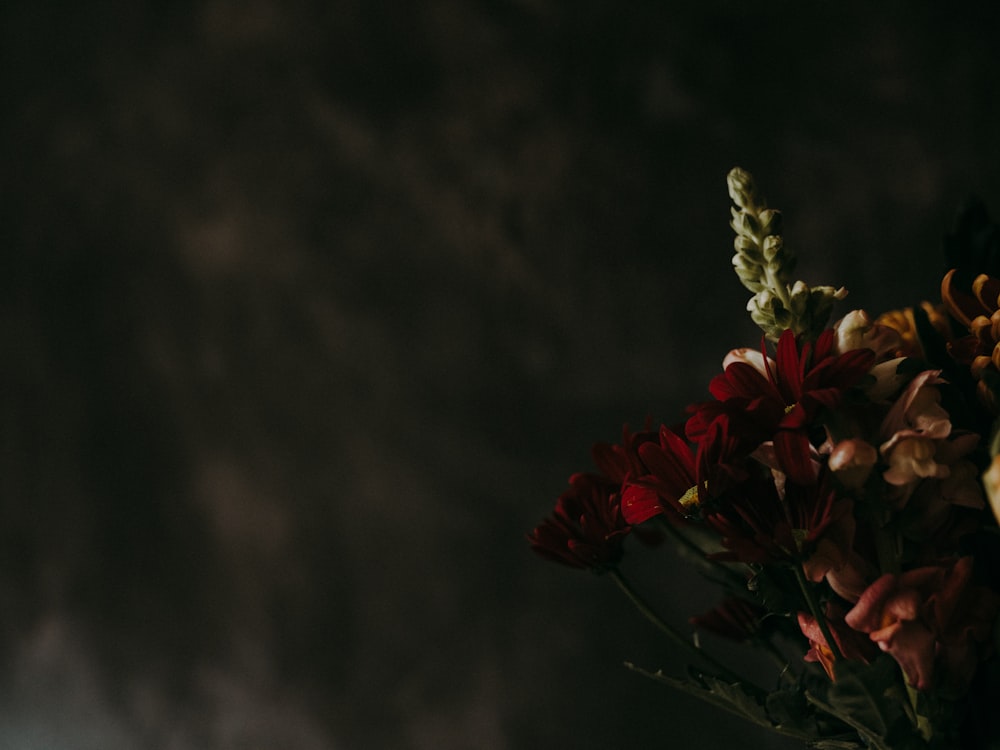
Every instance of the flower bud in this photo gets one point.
(744, 223)
(741, 187)
(770, 221)
(772, 247)
(745, 245)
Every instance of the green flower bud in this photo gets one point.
(744, 244)
(770, 221)
(772, 247)
(764, 265)
(744, 223)
(741, 187)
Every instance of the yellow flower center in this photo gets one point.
(800, 536)
(690, 497)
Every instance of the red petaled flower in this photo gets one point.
(777, 399)
(677, 477)
(800, 381)
(619, 462)
(586, 529)
(803, 524)
(664, 478)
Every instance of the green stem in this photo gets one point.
(699, 554)
(813, 604)
(672, 634)
(922, 723)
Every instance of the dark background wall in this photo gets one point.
(308, 310)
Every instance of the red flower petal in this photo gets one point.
(639, 504)
(794, 456)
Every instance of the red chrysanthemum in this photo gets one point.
(779, 399)
(620, 462)
(586, 529)
(807, 525)
(663, 477)
(674, 477)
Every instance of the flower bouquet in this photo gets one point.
(837, 488)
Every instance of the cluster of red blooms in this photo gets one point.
(840, 459)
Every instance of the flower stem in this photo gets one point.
(671, 633)
(922, 723)
(685, 542)
(814, 609)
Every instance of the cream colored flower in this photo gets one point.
(852, 461)
(912, 459)
(917, 412)
(857, 331)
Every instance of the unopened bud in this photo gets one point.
(746, 224)
(772, 247)
(741, 187)
(770, 221)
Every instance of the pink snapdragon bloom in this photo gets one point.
(932, 504)
(912, 459)
(917, 412)
(925, 457)
(912, 431)
(852, 461)
(850, 580)
(933, 621)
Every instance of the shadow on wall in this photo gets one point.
(309, 311)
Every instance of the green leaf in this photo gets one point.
(789, 709)
(737, 700)
(731, 697)
(870, 699)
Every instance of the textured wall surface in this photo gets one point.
(309, 309)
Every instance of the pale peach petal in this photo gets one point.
(852, 461)
(910, 460)
(752, 357)
(897, 419)
(857, 331)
